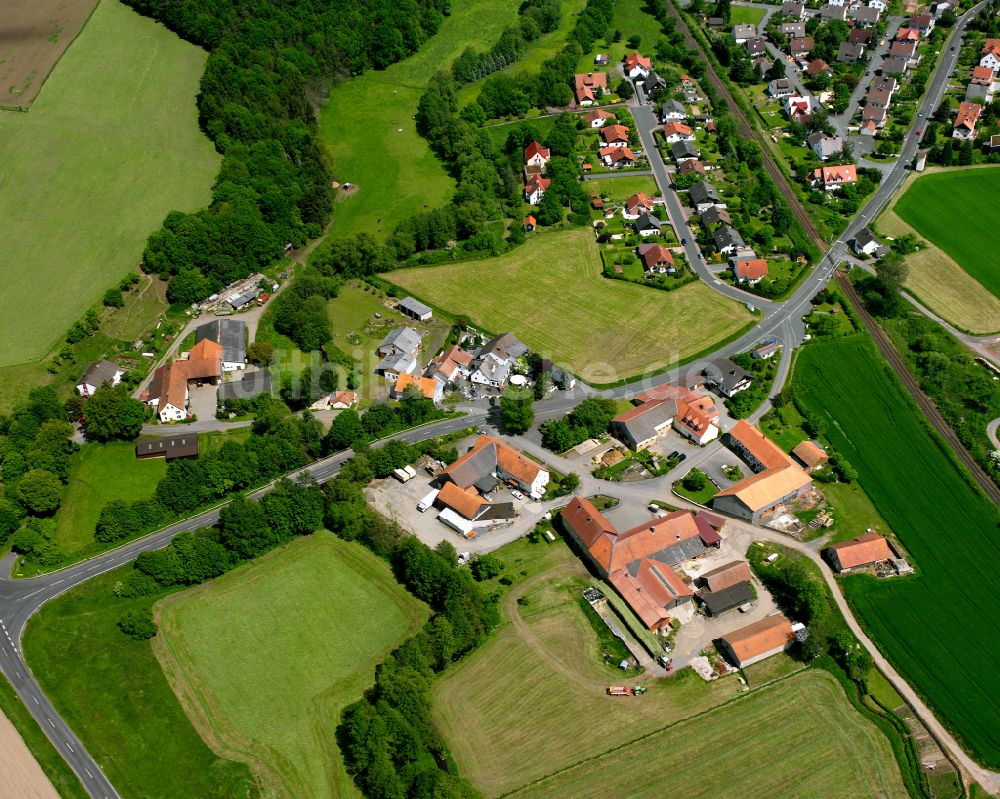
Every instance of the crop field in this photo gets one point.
(937, 207)
(549, 292)
(939, 628)
(527, 714)
(368, 128)
(42, 30)
(108, 148)
(98, 474)
(264, 658)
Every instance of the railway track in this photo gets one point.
(749, 132)
(930, 410)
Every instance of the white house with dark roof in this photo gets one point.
(97, 374)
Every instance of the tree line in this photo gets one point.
(273, 186)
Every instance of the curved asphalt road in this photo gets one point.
(19, 599)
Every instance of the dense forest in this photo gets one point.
(273, 188)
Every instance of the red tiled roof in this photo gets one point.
(845, 173)
(760, 637)
(968, 115)
(725, 576)
(427, 385)
(810, 454)
(865, 549)
(587, 521)
(752, 268)
(465, 502)
(759, 446)
(634, 59)
(653, 254)
(982, 76)
(614, 133)
(638, 201)
(676, 127)
(534, 149)
(616, 154)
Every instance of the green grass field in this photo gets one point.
(631, 20)
(368, 128)
(112, 692)
(527, 713)
(939, 628)
(620, 189)
(265, 658)
(745, 15)
(110, 145)
(549, 292)
(98, 474)
(939, 208)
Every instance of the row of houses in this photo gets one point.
(743, 260)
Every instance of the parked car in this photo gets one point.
(516, 494)
(672, 455)
(682, 456)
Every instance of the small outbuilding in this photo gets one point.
(169, 447)
(865, 550)
(415, 309)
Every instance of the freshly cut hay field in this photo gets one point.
(109, 147)
(265, 658)
(39, 31)
(947, 209)
(549, 292)
(797, 738)
(940, 628)
(531, 702)
(368, 128)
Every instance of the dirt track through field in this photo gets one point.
(20, 775)
(33, 36)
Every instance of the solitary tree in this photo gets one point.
(516, 412)
(40, 491)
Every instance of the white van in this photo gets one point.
(427, 501)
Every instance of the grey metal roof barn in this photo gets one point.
(718, 602)
(230, 333)
(415, 308)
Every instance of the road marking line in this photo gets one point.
(35, 698)
(71, 749)
(50, 722)
(88, 772)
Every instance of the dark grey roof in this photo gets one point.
(652, 82)
(723, 372)
(182, 446)
(850, 52)
(252, 384)
(99, 373)
(756, 45)
(791, 9)
(486, 483)
(727, 237)
(794, 29)
(715, 215)
(866, 14)
(717, 602)
(397, 362)
(230, 333)
(703, 192)
(683, 149)
(865, 237)
(833, 12)
(674, 107)
(244, 299)
(498, 511)
(647, 221)
(505, 346)
(643, 427)
(893, 66)
(483, 462)
(414, 307)
(681, 551)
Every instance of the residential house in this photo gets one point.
(703, 195)
(874, 115)
(798, 107)
(849, 53)
(756, 46)
(684, 149)
(965, 121)
(727, 377)
(656, 259)
(793, 30)
(990, 54)
(766, 351)
(780, 88)
(617, 157)
(638, 562)
(640, 427)
(865, 550)
(691, 165)
(885, 83)
(169, 389)
(743, 32)
(818, 67)
(825, 146)
(867, 129)
(401, 340)
(614, 136)
(590, 87)
(908, 35)
(342, 400)
(647, 225)
(415, 309)
(494, 362)
(98, 374)
(697, 418)
(652, 85)
(677, 131)
(777, 477)
(673, 111)
(867, 17)
(860, 36)
(252, 384)
(809, 455)
(976, 93)
(535, 190)
(801, 47)
(830, 178)
(601, 60)
(904, 49)
(636, 66)
(637, 205)
(727, 240)
(450, 366)
(428, 387)
(939, 9)
(831, 12)
(865, 243)
(715, 215)
(168, 447)
(878, 97)
(530, 223)
(894, 66)
(792, 10)
(921, 22)
(597, 118)
(537, 156)
(983, 84)
(491, 460)
(757, 641)
(750, 270)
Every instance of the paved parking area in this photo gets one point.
(203, 401)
